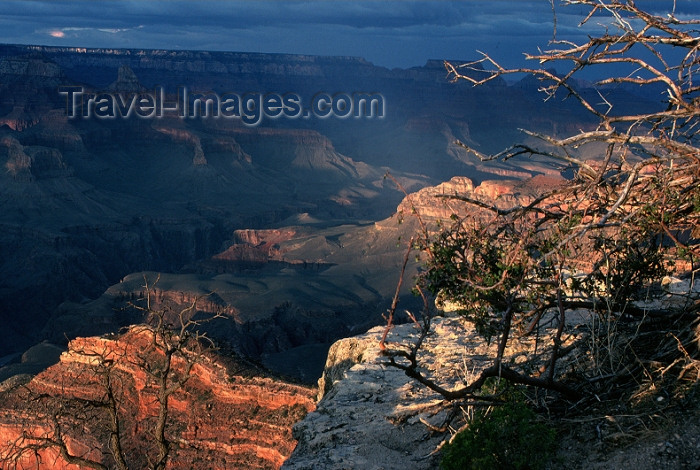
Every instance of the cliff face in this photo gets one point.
(220, 419)
(28, 163)
(371, 415)
(443, 200)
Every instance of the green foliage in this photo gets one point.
(509, 437)
(477, 271)
(627, 265)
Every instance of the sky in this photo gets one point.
(388, 33)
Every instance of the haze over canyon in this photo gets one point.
(289, 229)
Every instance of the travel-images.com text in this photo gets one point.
(251, 108)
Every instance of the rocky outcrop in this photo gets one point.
(431, 202)
(55, 130)
(32, 162)
(19, 119)
(188, 137)
(300, 151)
(256, 246)
(442, 201)
(372, 416)
(219, 419)
(369, 415)
(126, 81)
(256, 249)
(227, 144)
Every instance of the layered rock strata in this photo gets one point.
(219, 419)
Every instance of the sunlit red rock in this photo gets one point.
(220, 419)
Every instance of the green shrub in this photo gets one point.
(506, 438)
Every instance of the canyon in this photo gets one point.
(232, 413)
(86, 202)
(290, 231)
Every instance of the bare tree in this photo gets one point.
(102, 396)
(600, 241)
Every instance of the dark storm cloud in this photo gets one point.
(390, 33)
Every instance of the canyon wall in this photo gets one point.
(223, 417)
